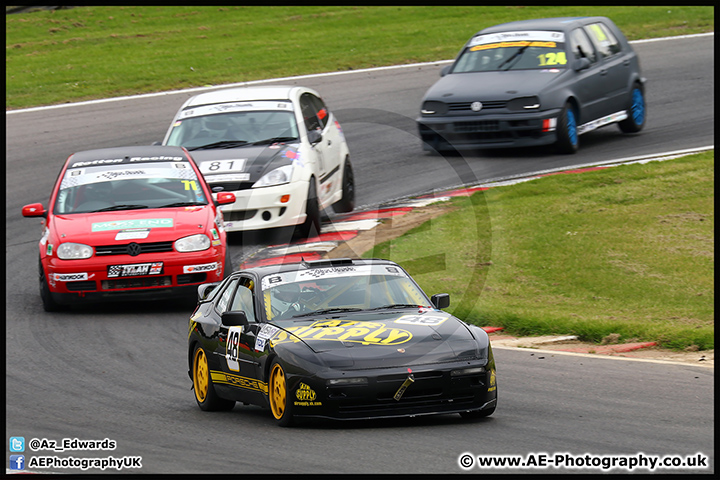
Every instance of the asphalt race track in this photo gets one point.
(119, 372)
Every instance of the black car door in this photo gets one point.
(238, 347)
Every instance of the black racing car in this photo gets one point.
(341, 339)
(535, 82)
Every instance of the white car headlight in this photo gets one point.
(74, 251)
(193, 243)
(275, 177)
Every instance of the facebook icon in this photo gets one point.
(17, 462)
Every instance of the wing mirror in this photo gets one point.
(224, 198)
(581, 63)
(34, 210)
(234, 319)
(445, 70)
(314, 136)
(205, 289)
(440, 300)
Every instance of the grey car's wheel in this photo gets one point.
(567, 132)
(637, 112)
(347, 202)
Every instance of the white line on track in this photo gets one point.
(513, 179)
(601, 356)
(655, 157)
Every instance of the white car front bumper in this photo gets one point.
(266, 207)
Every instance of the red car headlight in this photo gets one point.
(193, 243)
(74, 251)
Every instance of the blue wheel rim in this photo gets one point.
(638, 107)
(571, 127)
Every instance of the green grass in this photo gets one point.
(86, 53)
(627, 250)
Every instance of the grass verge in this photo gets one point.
(83, 53)
(627, 251)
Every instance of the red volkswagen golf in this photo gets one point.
(123, 222)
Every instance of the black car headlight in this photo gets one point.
(524, 104)
(353, 381)
(433, 107)
(482, 340)
(467, 371)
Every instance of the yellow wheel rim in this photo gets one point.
(201, 376)
(278, 391)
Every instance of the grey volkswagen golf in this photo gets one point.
(535, 82)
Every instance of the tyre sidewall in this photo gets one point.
(312, 213)
(287, 418)
(49, 304)
(567, 134)
(227, 267)
(347, 202)
(212, 401)
(630, 125)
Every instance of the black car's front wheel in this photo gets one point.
(280, 402)
(637, 112)
(203, 386)
(567, 131)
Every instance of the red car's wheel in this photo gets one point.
(49, 305)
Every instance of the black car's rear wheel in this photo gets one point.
(203, 387)
(280, 403)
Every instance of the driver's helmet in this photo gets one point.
(98, 191)
(215, 125)
(288, 293)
